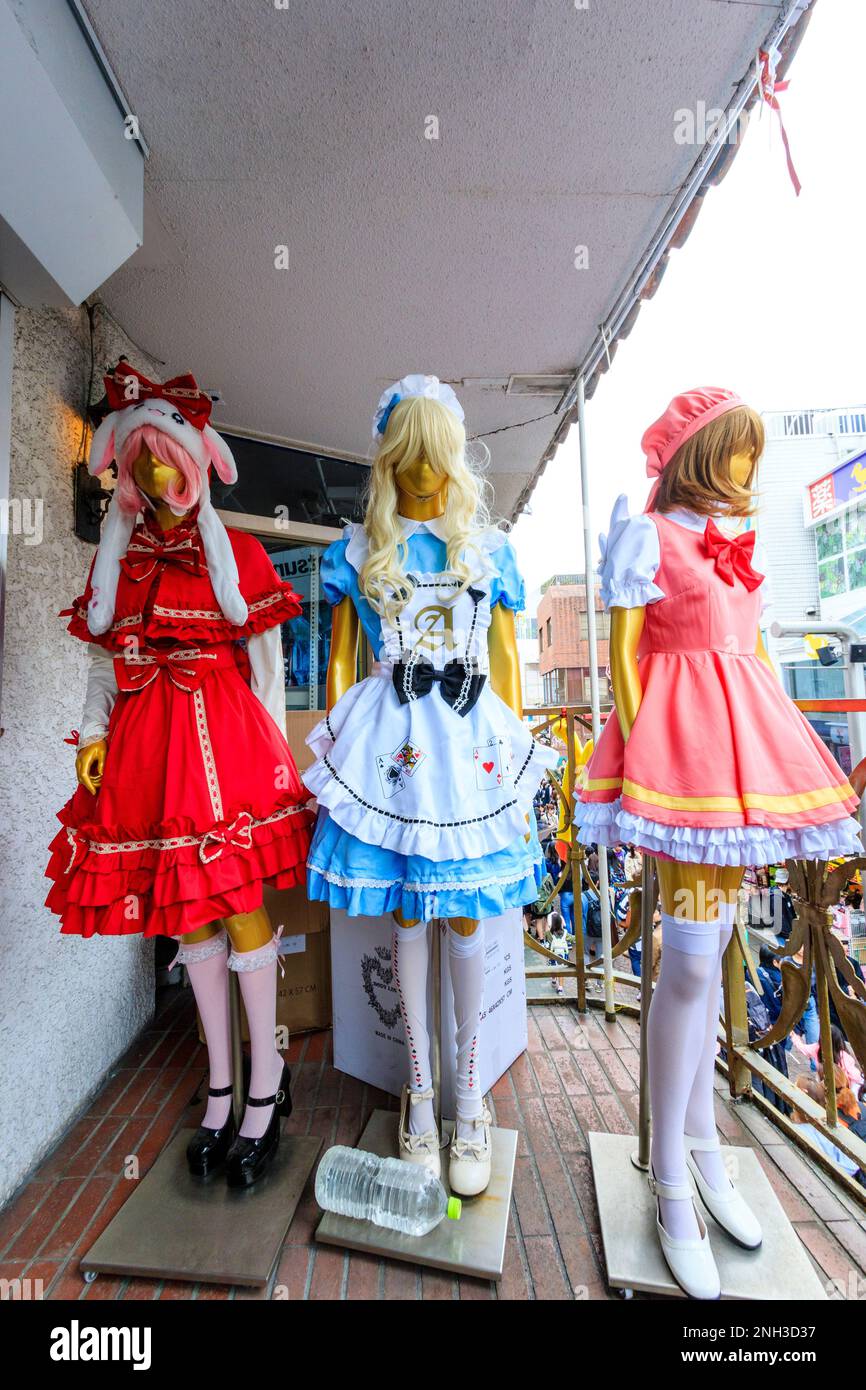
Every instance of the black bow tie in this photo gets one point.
(413, 681)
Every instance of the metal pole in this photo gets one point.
(594, 698)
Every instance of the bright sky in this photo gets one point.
(767, 297)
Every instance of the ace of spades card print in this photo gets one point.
(394, 768)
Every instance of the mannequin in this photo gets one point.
(188, 796)
(425, 773)
(709, 766)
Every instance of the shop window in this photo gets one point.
(307, 638)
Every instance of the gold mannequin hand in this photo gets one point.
(89, 765)
(626, 627)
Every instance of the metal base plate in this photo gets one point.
(175, 1226)
(780, 1269)
(474, 1245)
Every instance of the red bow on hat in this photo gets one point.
(182, 551)
(733, 555)
(186, 667)
(126, 386)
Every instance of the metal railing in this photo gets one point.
(813, 964)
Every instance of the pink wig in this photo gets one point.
(180, 498)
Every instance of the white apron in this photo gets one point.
(420, 775)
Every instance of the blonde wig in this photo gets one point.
(698, 476)
(421, 427)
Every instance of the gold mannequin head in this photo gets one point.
(715, 471)
(153, 476)
(420, 472)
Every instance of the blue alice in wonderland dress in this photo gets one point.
(424, 776)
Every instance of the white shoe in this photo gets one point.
(469, 1159)
(690, 1261)
(422, 1149)
(728, 1208)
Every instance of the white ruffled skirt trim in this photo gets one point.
(606, 823)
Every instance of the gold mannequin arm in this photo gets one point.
(343, 661)
(626, 626)
(761, 651)
(504, 661)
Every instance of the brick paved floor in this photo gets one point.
(579, 1074)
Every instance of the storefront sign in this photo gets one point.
(834, 490)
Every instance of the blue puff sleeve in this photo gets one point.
(506, 582)
(335, 572)
(629, 559)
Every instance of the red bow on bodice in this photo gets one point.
(145, 552)
(733, 555)
(125, 386)
(186, 667)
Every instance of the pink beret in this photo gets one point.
(685, 415)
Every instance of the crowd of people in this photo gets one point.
(767, 911)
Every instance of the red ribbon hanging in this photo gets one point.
(126, 386)
(768, 87)
(733, 555)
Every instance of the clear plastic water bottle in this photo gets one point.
(402, 1196)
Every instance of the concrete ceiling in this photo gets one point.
(305, 127)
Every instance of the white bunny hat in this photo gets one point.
(180, 411)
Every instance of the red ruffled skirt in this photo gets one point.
(200, 803)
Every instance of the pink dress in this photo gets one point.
(720, 766)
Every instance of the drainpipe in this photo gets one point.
(592, 642)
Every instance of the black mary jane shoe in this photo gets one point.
(208, 1148)
(248, 1159)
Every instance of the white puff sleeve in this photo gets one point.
(629, 559)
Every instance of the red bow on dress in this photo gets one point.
(183, 551)
(125, 386)
(733, 555)
(239, 834)
(186, 667)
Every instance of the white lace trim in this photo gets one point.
(198, 951)
(207, 757)
(176, 841)
(415, 887)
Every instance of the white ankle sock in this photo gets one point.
(676, 1037)
(466, 959)
(409, 957)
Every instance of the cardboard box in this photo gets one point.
(304, 991)
(369, 1039)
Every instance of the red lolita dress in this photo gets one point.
(720, 766)
(200, 799)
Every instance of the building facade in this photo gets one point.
(563, 641)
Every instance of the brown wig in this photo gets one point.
(698, 476)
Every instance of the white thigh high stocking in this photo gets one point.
(676, 1038)
(700, 1116)
(466, 959)
(257, 977)
(205, 962)
(409, 957)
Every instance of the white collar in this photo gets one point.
(436, 526)
(692, 521)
